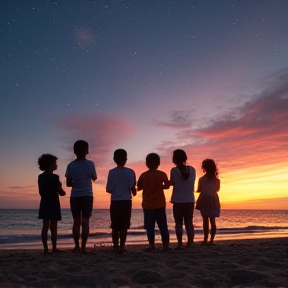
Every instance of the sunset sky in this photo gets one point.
(209, 77)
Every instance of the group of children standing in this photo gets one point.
(121, 184)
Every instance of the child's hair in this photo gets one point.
(210, 168)
(120, 157)
(152, 161)
(80, 147)
(45, 161)
(179, 157)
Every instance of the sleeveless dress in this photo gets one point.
(208, 201)
(49, 208)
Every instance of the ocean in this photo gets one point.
(20, 228)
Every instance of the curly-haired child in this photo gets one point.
(49, 189)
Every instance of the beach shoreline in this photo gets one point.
(230, 263)
(68, 243)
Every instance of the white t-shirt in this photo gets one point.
(183, 190)
(81, 172)
(119, 183)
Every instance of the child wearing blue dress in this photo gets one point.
(49, 189)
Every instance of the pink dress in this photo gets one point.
(208, 201)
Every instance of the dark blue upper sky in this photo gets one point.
(133, 74)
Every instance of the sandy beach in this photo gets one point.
(234, 263)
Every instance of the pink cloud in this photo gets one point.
(102, 132)
(84, 38)
(252, 135)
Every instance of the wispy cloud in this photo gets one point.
(254, 134)
(177, 119)
(22, 187)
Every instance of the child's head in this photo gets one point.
(81, 148)
(179, 157)
(120, 157)
(209, 166)
(47, 162)
(152, 161)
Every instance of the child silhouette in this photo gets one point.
(121, 184)
(152, 182)
(79, 174)
(208, 201)
(49, 189)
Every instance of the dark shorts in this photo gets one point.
(81, 206)
(183, 211)
(120, 214)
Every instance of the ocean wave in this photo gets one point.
(141, 232)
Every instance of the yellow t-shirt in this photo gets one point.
(151, 182)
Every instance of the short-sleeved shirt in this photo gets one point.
(49, 208)
(119, 183)
(81, 172)
(183, 190)
(152, 182)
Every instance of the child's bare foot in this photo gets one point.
(189, 244)
(46, 251)
(179, 247)
(211, 243)
(116, 249)
(76, 250)
(56, 251)
(84, 251)
(204, 243)
(122, 250)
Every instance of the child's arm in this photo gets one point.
(60, 191)
(139, 184)
(93, 173)
(133, 191)
(94, 178)
(171, 178)
(218, 185)
(199, 187)
(109, 187)
(166, 182)
(69, 182)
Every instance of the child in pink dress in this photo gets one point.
(208, 201)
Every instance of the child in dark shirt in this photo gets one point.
(49, 189)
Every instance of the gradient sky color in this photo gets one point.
(210, 77)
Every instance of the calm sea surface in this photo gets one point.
(21, 228)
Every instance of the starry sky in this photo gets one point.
(206, 76)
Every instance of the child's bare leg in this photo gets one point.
(53, 229)
(205, 228)
(85, 233)
(213, 228)
(179, 232)
(44, 234)
(190, 234)
(76, 233)
(123, 235)
(115, 239)
(188, 221)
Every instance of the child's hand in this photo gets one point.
(133, 190)
(61, 192)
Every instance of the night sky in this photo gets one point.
(210, 77)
